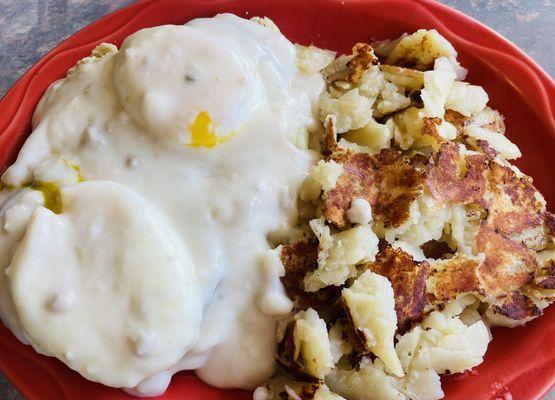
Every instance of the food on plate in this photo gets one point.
(135, 218)
(276, 217)
(415, 235)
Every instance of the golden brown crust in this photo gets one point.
(357, 180)
(329, 143)
(386, 180)
(446, 183)
(288, 356)
(298, 259)
(513, 222)
(458, 120)
(363, 58)
(546, 278)
(512, 202)
(484, 147)
(508, 265)
(353, 335)
(452, 277)
(429, 128)
(550, 223)
(411, 59)
(516, 306)
(505, 213)
(435, 249)
(408, 280)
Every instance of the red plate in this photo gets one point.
(520, 361)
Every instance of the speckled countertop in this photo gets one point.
(30, 28)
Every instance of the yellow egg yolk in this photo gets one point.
(202, 132)
(51, 193)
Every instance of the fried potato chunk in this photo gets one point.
(386, 180)
(305, 347)
(452, 277)
(419, 50)
(516, 209)
(512, 310)
(370, 305)
(444, 344)
(423, 234)
(408, 280)
(338, 254)
(456, 177)
(508, 265)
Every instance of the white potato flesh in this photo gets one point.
(371, 306)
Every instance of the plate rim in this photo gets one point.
(24, 82)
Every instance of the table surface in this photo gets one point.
(30, 28)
